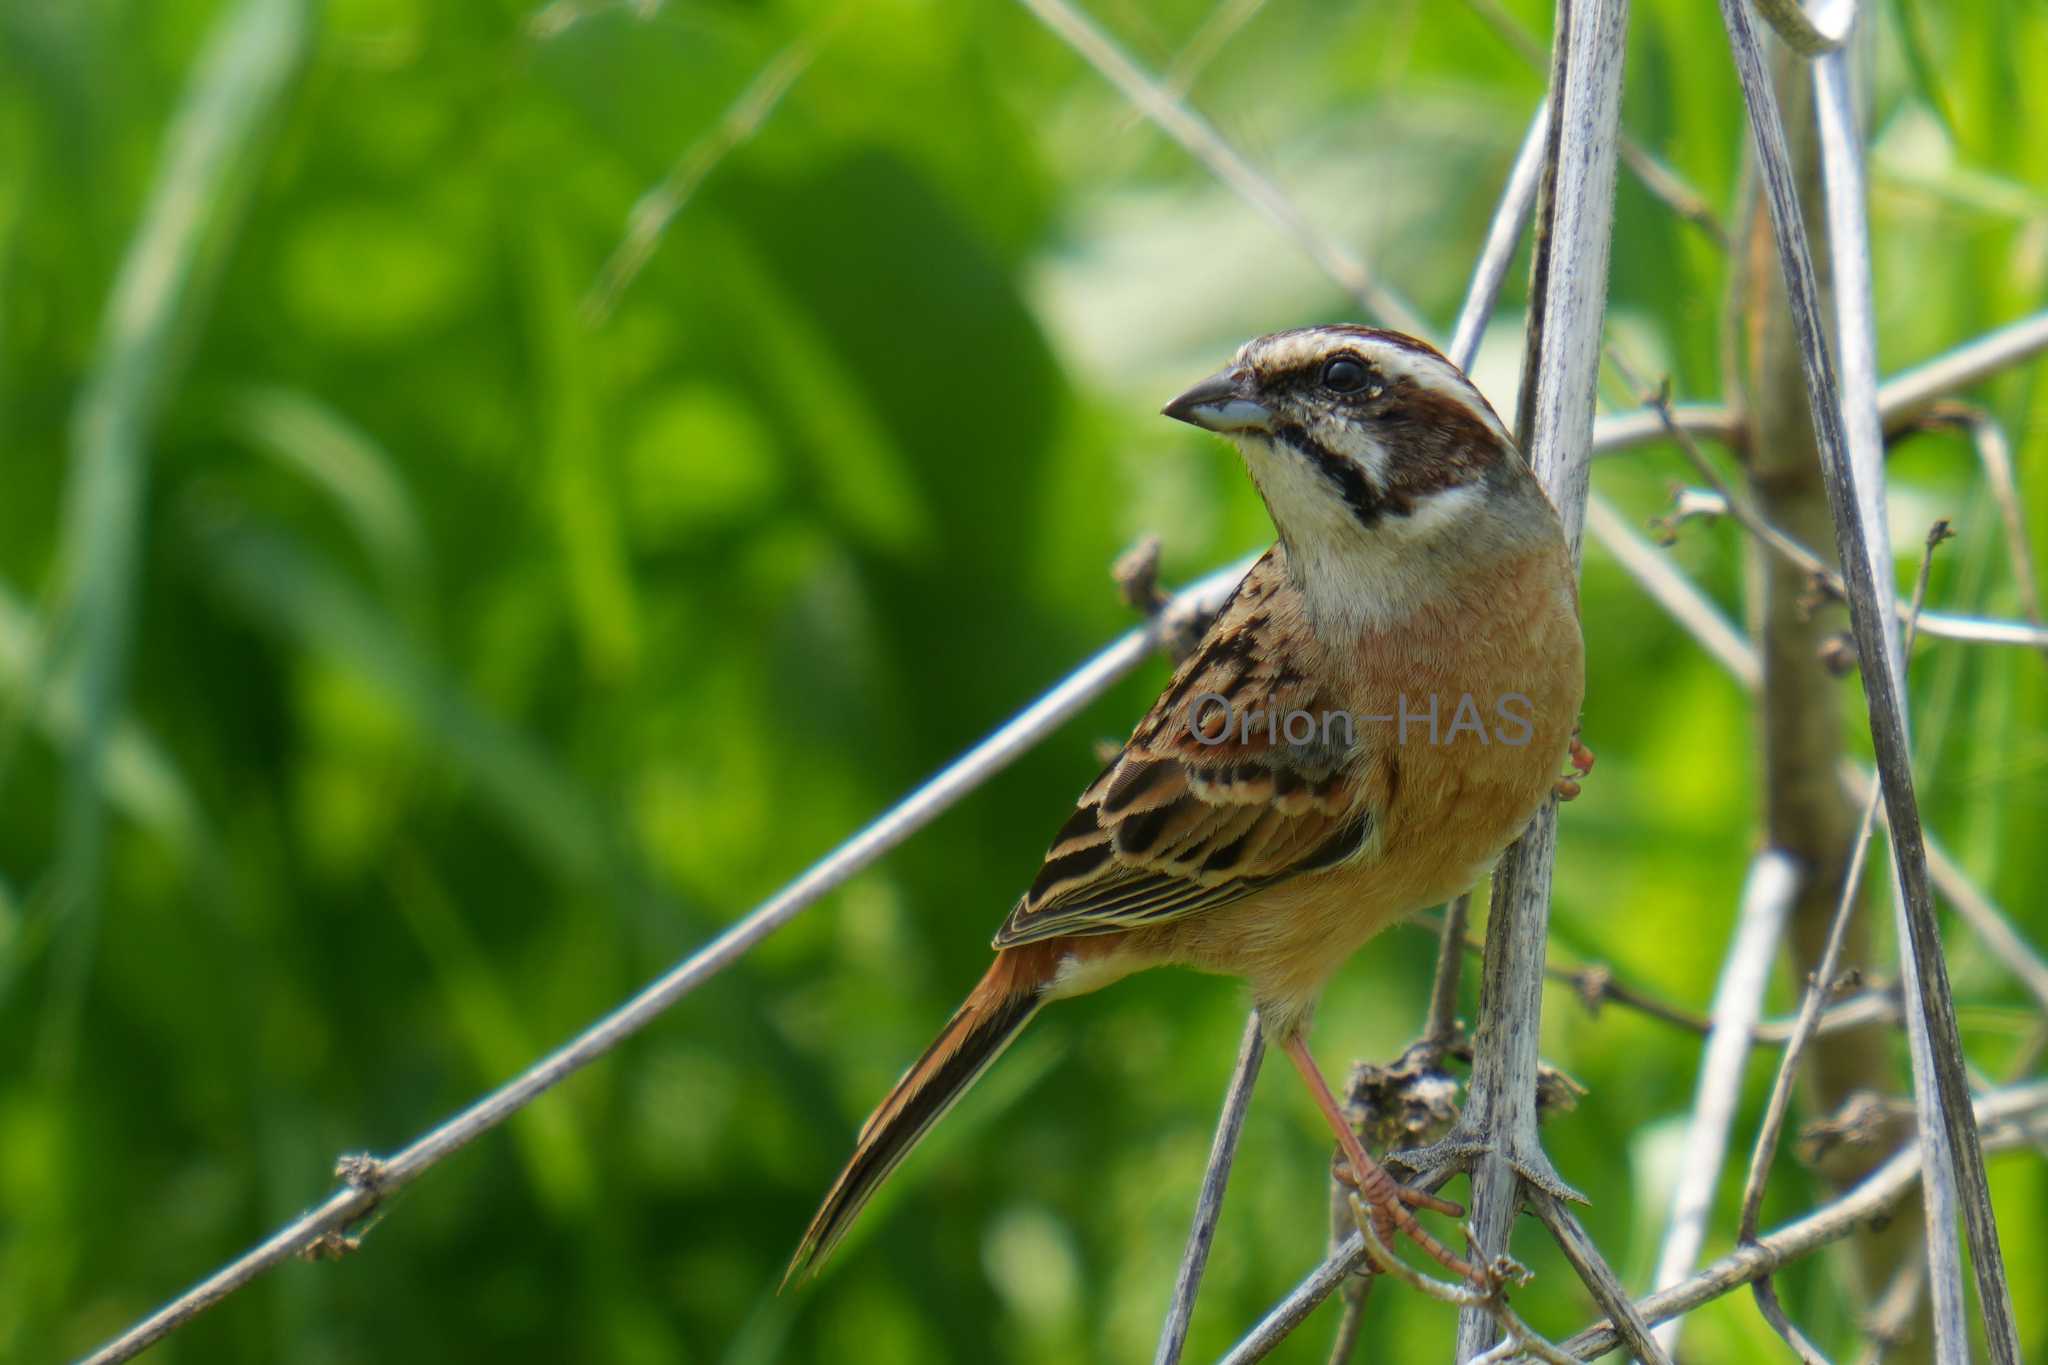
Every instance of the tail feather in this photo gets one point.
(994, 1013)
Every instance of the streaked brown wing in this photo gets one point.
(1182, 822)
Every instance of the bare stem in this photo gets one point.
(1497, 1129)
(1698, 615)
(1650, 171)
(1820, 987)
(1994, 452)
(372, 1181)
(1209, 1203)
(1599, 1279)
(2014, 1117)
(655, 210)
(1510, 217)
(1206, 145)
(1767, 899)
(1442, 1024)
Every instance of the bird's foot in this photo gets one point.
(1581, 760)
(1384, 1204)
(1388, 1198)
(1387, 1201)
(1340, 1167)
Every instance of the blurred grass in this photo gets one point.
(397, 664)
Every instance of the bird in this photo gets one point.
(1421, 591)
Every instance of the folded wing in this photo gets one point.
(1208, 802)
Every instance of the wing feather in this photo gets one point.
(1196, 813)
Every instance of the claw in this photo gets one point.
(1581, 760)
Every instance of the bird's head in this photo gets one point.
(1373, 453)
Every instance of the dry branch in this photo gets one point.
(369, 1181)
(1941, 1084)
(1206, 145)
(1767, 899)
(2012, 1117)
(1560, 373)
(1237, 1099)
(1572, 255)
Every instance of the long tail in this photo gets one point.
(994, 1012)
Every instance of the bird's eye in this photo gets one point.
(1344, 374)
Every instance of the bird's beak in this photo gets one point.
(1222, 402)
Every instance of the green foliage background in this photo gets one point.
(452, 660)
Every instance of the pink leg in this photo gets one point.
(1389, 1198)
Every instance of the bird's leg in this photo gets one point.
(1388, 1197)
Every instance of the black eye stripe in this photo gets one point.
(1345, 477)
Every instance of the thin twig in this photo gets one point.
(1767, 899)
(1994, 452)
(1350, 1327)
(1858, 1011)
(655, 210)
(1503, 234)
(1595, 985)
(1697, 614)
(1888, 1320)
(1852, 463)
(1441, 1024)
(1215, 33)
(2014, 1117)
(1647, 167)
(1765, 1291)
(1978, 630)
(1599, 1279)
(1194, 1259)
(1902, 397)
(1724, 501)
(1616, 433)
(1207, 146)
(375, 1180)
(1769, 1131)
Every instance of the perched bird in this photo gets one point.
(1376, 713)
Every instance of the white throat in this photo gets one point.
(1355, 578)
